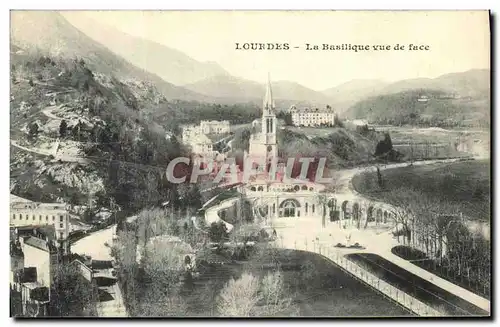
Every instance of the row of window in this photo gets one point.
(314, 114)
(40, 218)
(309, 120)
(31, 206)
(296, 188)
(290, 208)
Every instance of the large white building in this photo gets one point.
(27, 213)
(312, 117)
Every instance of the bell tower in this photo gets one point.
(269, 123)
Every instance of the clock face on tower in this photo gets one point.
(269, 148)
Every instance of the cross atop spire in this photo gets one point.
(268, 103)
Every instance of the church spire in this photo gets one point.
(268, 103)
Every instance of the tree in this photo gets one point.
(323, 202)
(379, 178)
(384, 147)
(63, 126)
(248, 296)
(274, 294)
(403, 200)
(239, 297)
(33, 130)
(164, 262)
(71, 294)
(218, 232)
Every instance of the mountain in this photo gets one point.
(237, 89)
(425, 107)
(471, 83)
(346, 94)
(448, 100)
(48, 32)
(170, 64)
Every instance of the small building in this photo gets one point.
(360, 122)
(34, 261)
(215, 126)
(84, 265)
(423, 98)
(201, 145)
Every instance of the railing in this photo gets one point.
(368, 278)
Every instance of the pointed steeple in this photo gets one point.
(268, 103)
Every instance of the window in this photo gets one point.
(33, 216)
(61, 218)
(312, 208)
(46, 218)
(61, 225)
(20, 216)
(14, 216)
(53, 218)
(61, 235)
(289, 208)
(40, 217)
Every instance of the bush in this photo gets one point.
(218, 232)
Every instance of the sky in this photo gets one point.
(457, 41)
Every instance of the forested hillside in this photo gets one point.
(424, 107)
(110, 150)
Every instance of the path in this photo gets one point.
(48, 112)
(63, 157)
(94, 246)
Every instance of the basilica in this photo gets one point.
(273, 195)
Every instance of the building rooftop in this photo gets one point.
(26, 275)
(313, 110)
(39, 231)
(40, 244)
(15, 198)
(32, 285)
(39, 293)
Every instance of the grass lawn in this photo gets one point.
(466, 184)
(318, 287)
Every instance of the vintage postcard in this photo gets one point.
(250, 164)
